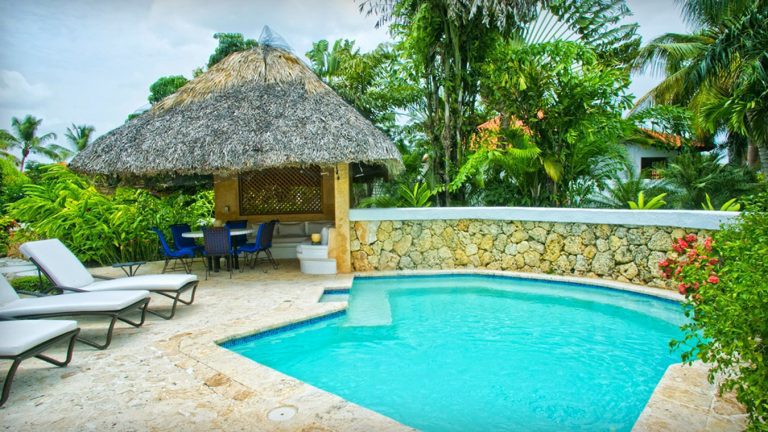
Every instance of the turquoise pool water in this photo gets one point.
(484, 353)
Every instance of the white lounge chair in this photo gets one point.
(22, 339)
(63, 268)
(114, 304)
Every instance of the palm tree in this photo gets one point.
(25, 138)
(719, 70)
(79, 136)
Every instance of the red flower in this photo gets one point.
(713, 261)
(663, 263)
(713, 279)
(690, 238)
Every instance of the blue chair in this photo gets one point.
(182, 242)
(176, 255)
(241, 239)
(262, 244)
(218, 243)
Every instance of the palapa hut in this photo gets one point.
(276, 139)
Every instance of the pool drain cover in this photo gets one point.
(282, 413)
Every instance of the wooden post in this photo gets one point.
(341, 202)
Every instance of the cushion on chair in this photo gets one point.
(19, 336)
(58, 262)
(108, 301)
(317, 226)
(291, 229)
(145, 282)
(7, 293)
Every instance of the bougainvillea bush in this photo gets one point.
(725, 282)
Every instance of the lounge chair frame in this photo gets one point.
(173, 294)
(114, 315)
(36, 351)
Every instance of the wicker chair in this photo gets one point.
(218, 243)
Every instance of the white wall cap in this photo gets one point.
(697, 219)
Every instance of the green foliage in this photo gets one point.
(652, 204)
(730, 205)
(690, 176)
(165, 86)
(32, 284)
(729, 313)
(419, 195)
(623, 189)
(101, 228)
(569, 104)
(7, 225)
(757, 202)
(11, 183)
(228, 44)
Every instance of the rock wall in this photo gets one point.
(619, 252)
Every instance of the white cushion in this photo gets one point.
(7, 293)
(106, 301)
(294, 240)
(324, 234)
(317, 226)
(290, 229)
(58, 262)
(144, 282)
(19, 336)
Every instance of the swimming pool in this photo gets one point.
(466, 352)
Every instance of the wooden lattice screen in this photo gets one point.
(281, 191)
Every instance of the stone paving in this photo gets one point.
(170, 375)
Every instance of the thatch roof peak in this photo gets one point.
(256, 109)
(262, 63)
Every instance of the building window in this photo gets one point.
(649, 166)
(281, 191)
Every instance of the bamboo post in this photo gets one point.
(341, 202)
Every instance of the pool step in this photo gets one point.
(368, 308)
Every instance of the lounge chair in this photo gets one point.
(22, 339)
(114, 304)
(63, 268)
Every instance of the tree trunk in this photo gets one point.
(752, 155)
(763, 155)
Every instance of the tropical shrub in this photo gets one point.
(32, 284)
(730, 205)
(652, 204)
(419, 195)
(726, 293)
(692, 175)
(101, 228)
(560, 120)
(623, 188)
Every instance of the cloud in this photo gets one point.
(17, 92)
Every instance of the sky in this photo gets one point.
(92, 61)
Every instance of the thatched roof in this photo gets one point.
(256, 109)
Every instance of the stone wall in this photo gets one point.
(620, 252)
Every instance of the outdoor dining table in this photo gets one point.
(232, 232)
